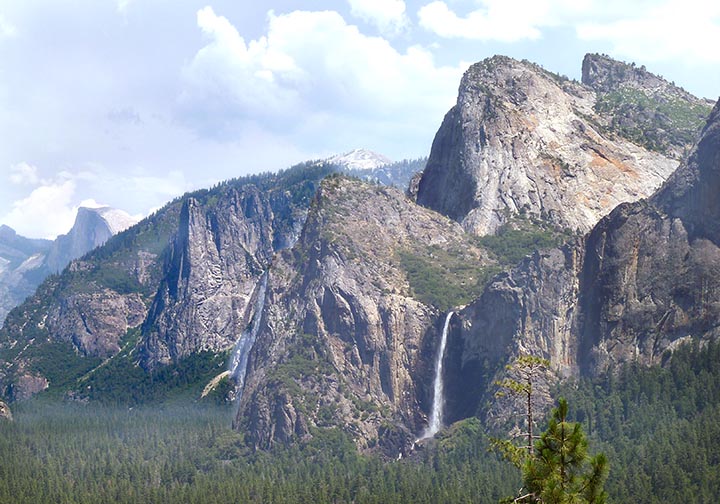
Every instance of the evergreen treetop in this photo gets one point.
(560, 470)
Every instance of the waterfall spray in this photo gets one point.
(239, 360)
(436, 416)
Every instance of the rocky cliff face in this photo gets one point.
(92, 228)
(651, 270)
(176, 284)
(215, 261)
(523, 140)
(344, 340)
(644, 280)
(21, 268)
(25, 263)
(529, 310)
(643, 107)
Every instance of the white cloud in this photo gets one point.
(669, 30)
(46, 212)
(228, 76)
(51, 206)
(499, 20)
(387, 15)
(124, 115)
(91, 203)
(122, 6)
(646, 30)
(7, 29)
(24, 174)
(311, 72)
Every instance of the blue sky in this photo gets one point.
(132, 102)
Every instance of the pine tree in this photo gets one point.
(560, 471)
(524, 372)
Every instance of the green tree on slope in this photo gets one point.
(560, 471)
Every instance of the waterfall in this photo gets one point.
(241, 352)
(436, 416)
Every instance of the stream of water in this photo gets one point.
(436, 415)
(241, 352)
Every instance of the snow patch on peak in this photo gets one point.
(360, 159)
(117, 220)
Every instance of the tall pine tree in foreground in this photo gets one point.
(525, 373)
(560, 471)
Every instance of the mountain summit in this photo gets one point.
(92, 228)
(645, 280)
(360, 159)
(24, 262)
(643, 107)
(521, 140)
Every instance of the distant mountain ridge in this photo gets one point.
(20, 260)
(373, 167)
(92, 228)
(360, 159)
(24, 262)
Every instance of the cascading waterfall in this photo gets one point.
(436, 416)
(237, 366)
(241, 352)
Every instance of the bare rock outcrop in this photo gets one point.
(5, 413)
(643, 107)
(523, 140)
(652, 270)
(643, 281)
(25, 263)
(530, 310)
(216, 259)
(344, 341)
(92, 228)
(25, 384)
(95, 322)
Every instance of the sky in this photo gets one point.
(130, 103)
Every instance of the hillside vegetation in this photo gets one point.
(657, 426)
